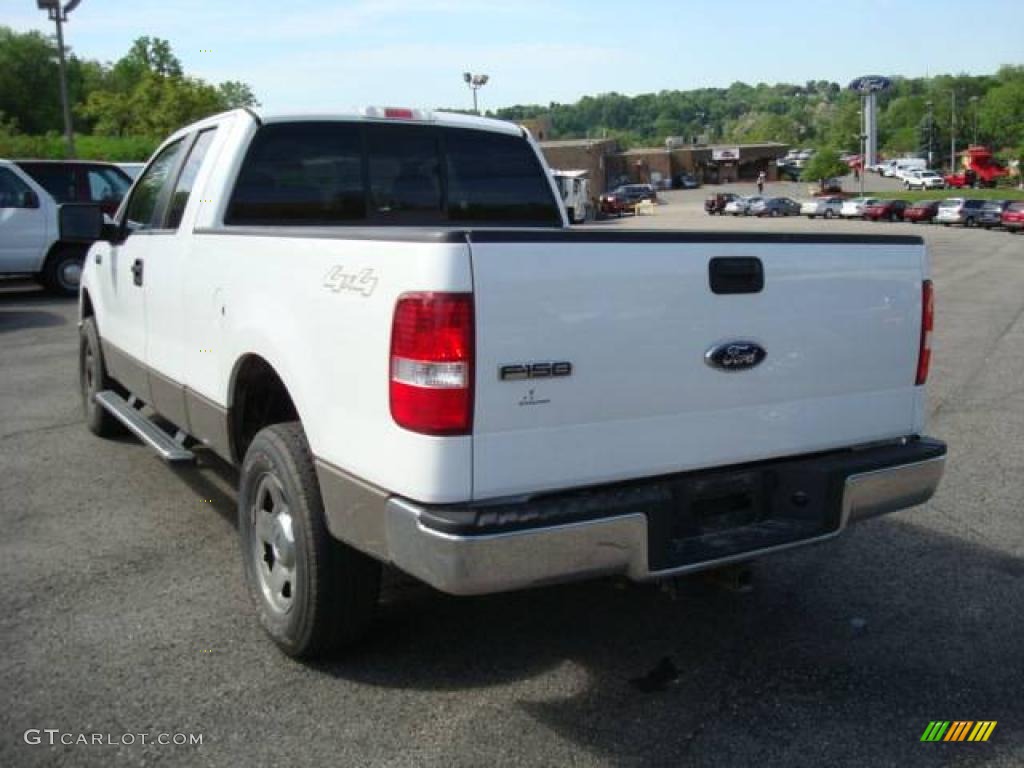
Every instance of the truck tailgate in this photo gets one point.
(634, 315)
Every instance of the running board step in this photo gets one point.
(167, 448)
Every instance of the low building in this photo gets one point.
(595, 156)
(608, 165)
(709, 164)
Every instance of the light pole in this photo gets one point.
(931, 130)
(952, 134)
(863, 165)
(475, 83)
(974, 110)
(59, 15)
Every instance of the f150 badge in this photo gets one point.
(735, 355)
(545, 370)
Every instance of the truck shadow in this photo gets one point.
(23, 319)
(24, 305)
(865, 640)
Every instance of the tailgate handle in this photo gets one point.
(736, 274)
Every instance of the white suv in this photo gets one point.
(924, 180)
(32, 193)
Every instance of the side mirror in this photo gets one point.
(80, 222)
(86, 223)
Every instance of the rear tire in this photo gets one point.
(92, 378)
(829, 214)
(62, 272)
(314, 594)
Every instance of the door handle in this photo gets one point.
(137, 271)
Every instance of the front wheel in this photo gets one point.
(313, 593)
(92, 379)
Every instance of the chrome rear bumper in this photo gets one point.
(488, 562)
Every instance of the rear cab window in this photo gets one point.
(187, 177)
(335, 173)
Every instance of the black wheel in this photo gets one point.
(62, 272)
(893, 217)
(313, 593)
(970, 222)
(92, 378)
(828, 213)
(774, 213)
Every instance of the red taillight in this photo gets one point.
(399, 113)
(924, 355)
(431, 385)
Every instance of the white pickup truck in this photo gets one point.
(385, 322)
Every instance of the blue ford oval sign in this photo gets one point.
(735, 355)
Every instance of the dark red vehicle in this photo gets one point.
(80, 181)
(624, 199)
(1013, 217)
(891, 210)
(716, 203)
(923, 210)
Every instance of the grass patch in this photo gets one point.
(1003, 193)
(51, 146)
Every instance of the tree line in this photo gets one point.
(121, 110)
(818, 114)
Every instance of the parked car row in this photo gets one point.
(755, 205)
(967, 212)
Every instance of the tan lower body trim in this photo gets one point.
(355, 510)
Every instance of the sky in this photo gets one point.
(337, 54)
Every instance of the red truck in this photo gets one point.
(980, 169)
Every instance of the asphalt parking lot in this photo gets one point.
(124, 610)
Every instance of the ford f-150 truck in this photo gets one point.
(384, 321)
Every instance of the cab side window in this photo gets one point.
(142, 211)
(187, 177)
(15, 193)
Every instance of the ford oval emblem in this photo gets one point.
(735, 355)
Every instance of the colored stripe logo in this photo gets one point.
(959, 730)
